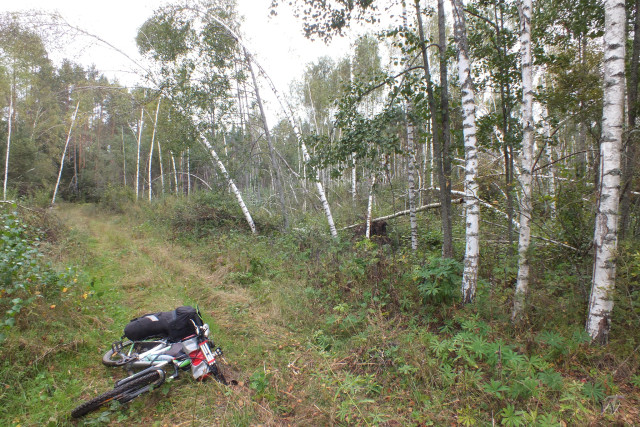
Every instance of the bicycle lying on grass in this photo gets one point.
(161, 358)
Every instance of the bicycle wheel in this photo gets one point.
(216, 372)
(116, 393)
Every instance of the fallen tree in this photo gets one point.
(402, 213)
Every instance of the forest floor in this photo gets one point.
(294, 364)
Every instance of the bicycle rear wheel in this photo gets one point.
(115, 394)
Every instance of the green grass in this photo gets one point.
(316, 332)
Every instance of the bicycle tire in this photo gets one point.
(216, 372)
(97, 402)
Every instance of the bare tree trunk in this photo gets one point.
(153, 140)
(124, 160)
(552, 170)
(141, 123)
(606, 227)
(411, 170)
(526, 162)
(411, 161)
(471, 197)
(353, 178)
(175, 172)
(446, 211)
(232, 185)
(161, 168)
(189, 171)
(277, 178)
(64, 153)
(10, 120)
(370, 206)
(630, 151)
(437, 134)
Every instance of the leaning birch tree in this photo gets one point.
(232, 184)
(526, 161)
(64, 153)
(605, 237)
(471, 187)
(277, 178)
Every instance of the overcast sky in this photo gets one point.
(277, 42)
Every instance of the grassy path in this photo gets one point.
(133, 271)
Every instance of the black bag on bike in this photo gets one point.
(181, 324)
(175, 324)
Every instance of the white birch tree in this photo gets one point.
(411, 168)
(64, 153)
(472, 204)
(175, 172)
(526, 161)
(140, 124)
(124, 160)
(367, 232)
(153, 138)
(605, 237)
(6, 161)
(232, 185)
(411, 163)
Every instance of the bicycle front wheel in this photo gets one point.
(115, 394)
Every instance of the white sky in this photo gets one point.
(277, 42)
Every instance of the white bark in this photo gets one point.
(370, 207)
(403, 213)
(472, 205)
(232, 185)
(64, 153)
(413, 222)
(189, 171)
(552, 170)
(124, 161)
(153, 140)
(606, 228)
(161, 168)
(175, 172)
(411, 164)
(140, 124)
(526, 161)
(6, 162)
(353, 177)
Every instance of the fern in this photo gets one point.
(594, 391)
(551, 379)
(438, 281)
(511, 417)
(495, 388)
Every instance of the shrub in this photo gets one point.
(116, 198)
(23, 276)
(439, 280)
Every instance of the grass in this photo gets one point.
(316, 333)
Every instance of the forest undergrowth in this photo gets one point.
(315, 331)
